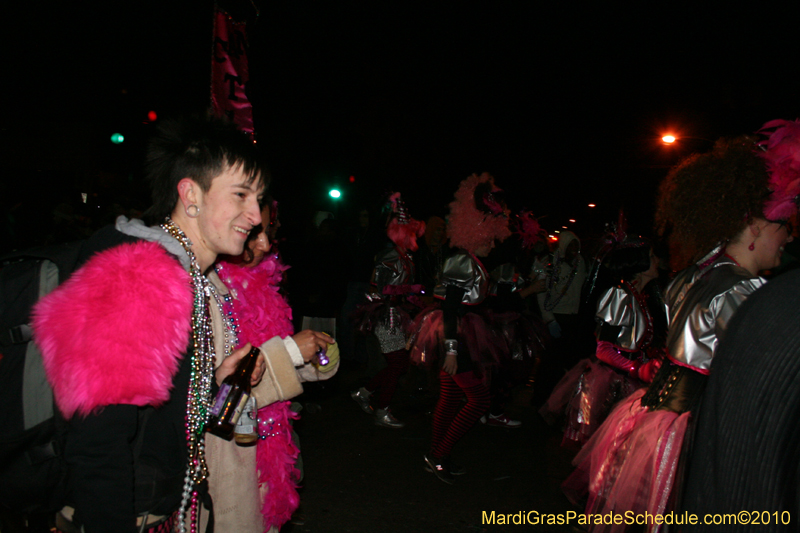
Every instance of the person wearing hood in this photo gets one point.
(129, 341)
(565, 276)
(559, 305)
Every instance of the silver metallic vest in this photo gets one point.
(700, 301)
(465, 272)
(393, 268)
(618, 307)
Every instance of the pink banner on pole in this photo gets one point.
(229, 73)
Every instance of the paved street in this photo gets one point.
(363, 478)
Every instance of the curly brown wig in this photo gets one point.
(710, 198)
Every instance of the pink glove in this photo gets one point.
(610, 354)
(648, 370)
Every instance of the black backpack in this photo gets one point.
(32, 470)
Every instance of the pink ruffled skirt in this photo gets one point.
(483, 344)
(630, 462)
(563, 393)
(585, 396)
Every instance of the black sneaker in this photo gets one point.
(439, 467)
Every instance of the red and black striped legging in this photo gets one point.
(385, 381)
(449, 422)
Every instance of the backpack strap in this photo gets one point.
(37, 396)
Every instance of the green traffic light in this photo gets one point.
(335, 193)
(117, 138)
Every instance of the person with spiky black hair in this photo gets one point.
(129, 342)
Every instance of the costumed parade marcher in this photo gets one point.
(457, 336)
(254, 488)
(750, 405)
(136, 383)
(628, 322)
(632, 461)
(393, 299)
(522, 333)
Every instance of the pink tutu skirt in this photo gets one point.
(599, 390)
(483, 345)
(585, 396)
(563, 393)
(630, 462)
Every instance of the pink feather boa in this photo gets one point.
(263, 314)
(276, 457)
(115, 332)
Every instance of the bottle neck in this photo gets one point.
(248, 363)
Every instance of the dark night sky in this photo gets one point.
(564, 104)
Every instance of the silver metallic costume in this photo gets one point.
(625, 333)
(392, 269)
(618, 307)
(700, 301)
(459, 319)
(464, 271)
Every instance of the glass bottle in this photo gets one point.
(246, 431)
(232, 397)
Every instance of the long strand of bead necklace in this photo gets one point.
(199, 396)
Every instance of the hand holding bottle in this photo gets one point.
(233, 395)
(229, 364)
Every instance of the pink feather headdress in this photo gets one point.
(782, 157)
(402, 229)
(472, 228)
(529, 229)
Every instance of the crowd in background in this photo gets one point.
(580, 320)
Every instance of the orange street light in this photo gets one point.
(671, 139)
(592, 205)
(572, 220)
